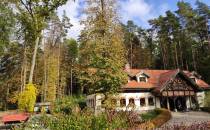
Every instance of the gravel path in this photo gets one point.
(187, 118)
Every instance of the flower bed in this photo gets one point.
(164, 116)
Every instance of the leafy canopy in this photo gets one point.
(101, 50)
(27, 98)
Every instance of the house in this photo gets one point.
(146, 89)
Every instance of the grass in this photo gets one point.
(154, 119)
(150, 115)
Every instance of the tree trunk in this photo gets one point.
(176, 54)
(45, 71)
(58, 80)
(23, 71)
(181, 55)
(71, 81)
(34, 60)
(163, 55)
(193, 57)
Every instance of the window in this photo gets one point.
(131, 101)
(142, 79)
(92, 103)
(114, 102)
(151, 101)
(122, 102)
(193, 79)
(142, 102)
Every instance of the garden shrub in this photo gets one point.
(27, 98)
(131, 118)
(68, 104)
(86, 120)
(146, 126)
(206, 107)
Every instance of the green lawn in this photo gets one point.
(150, 115)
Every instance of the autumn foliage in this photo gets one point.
(27, 98)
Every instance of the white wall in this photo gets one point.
(97, 98)
(200, 98)
(136, 96)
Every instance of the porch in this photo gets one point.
(179, 94)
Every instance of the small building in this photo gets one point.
(146, 89)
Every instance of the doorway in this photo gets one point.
(180, 103)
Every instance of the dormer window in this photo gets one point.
(193, 79)
(142, 79)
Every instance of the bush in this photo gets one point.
(205, 109)
(27, 98)
(68, 104)
(85, 120)
(67, 118)
(207, 99)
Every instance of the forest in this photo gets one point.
(38, 57)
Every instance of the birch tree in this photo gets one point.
(35, 13)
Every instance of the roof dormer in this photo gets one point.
(142, 77)
(193, 78)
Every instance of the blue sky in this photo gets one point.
(140, 11)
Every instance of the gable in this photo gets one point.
(178, 84)
(143, 74)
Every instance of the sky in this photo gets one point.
(139, 11)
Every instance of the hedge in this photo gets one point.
(158, 121)
(205, 109)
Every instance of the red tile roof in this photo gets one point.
(135, 84)
(199, 82)
(157, 78)
(15, 117)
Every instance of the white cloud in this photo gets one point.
(140, 11)
(73, 10)
(137, 10)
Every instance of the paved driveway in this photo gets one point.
(187, 118)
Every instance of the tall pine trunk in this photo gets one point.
(193, 57)
(176, 54)
(181, 55)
